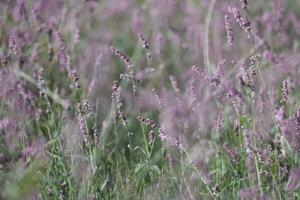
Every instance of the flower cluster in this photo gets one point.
(243, 22)
(82, 124)
(116, 96)
(122, 56)
(229, 30)
(41, 82)
(147, 121)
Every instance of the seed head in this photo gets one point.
(147, 121)
(285, 92)
(13, 44)
(41, 82)
(229, 30)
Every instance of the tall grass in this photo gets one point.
(160, 99)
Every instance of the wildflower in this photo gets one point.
(150, 136)
(229, 30)
(19, 9)
(147, 121)
(200, 72)
(285, 92)
(174, 84)
(247, 77)
(35, 11)
(60, 41)
(219, 120)
(234, 101)
(87, 107)
(158, 98)
(75, 78)
(192, 90)
(122, 56)
(243, 22)
(41, 82)
(96, 137)
(146, 46)
(82, 125)
(163, 137)
(143, 41)
(64, 56)
(254, 59)
(13, 44)
(237, 125)
(116, 96)
(231, 152)
(220, 69)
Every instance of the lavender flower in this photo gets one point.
(143, 41)
(219, 121)
(147, 121)
(62, 51)
(192, 91)
(165, 138)
(158, 98)
(150, 136)
(233, 154)
(13, 44)
(146, 46)
(116, 96)
(201, 73)
(174, 84)
(243, 22)
(237, 125)
(19, 10)
(123, 57)
(75, 78)
(247, 77)
(220, 69)
(96, 137)
(41, 82)
(234, 101)
(229, 30)
(82, 124)
(285, 92)
(87, 107)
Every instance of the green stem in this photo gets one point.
(206, 30)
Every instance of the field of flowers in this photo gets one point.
(149, 99)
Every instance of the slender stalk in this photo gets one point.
(208, 67)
